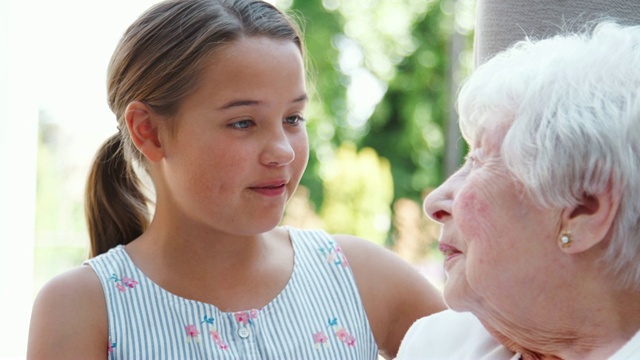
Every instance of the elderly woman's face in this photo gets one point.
(494, 238)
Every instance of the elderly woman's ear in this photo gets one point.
(589, 222)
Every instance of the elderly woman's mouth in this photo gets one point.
(449, 251)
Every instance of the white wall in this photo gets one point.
(18, 145)
(53, 57)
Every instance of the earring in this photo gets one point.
(566, 239)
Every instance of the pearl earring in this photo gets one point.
(566, 239)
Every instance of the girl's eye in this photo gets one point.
(294, 120)
(242, 124)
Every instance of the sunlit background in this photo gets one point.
(380, 123)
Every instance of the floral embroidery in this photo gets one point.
(215, 335)
(222, 345)
(128, 282)
(333, 254)
(124, 283)
(245, 317)
(112, 347)
(192, 333)
(341, 333)
(320, 339)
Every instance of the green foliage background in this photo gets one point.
(405, 44)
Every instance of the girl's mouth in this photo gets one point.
(270, 190)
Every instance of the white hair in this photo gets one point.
(575, 105)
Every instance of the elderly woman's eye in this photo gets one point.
(473, 157)
(470, 160)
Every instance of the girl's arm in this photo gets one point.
(394, 294)
(69, 318)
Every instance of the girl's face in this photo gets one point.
(240, 145)
(497, 242)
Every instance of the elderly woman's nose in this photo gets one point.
(437, 204)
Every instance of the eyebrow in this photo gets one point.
(245, 102)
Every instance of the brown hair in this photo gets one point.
(158, 61)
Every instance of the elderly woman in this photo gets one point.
(541, 225)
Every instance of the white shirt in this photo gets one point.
(450, 335)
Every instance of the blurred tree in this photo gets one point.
(415, 234)
(417, 107)
(328, 87)
(385, 72)
(357, 194)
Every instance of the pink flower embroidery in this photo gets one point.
(242, 317)
(245, 317)
(124, 283)
(192, 332)
(128, 282)
(350, 340)
(345, 263)
(253, 313)
(342, 334)
(333, 254)
(111, 348)
(320, 339)
(215, 335)
(218, 340)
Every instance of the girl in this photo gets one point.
(209, 97)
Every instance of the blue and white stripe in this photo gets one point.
(147, 322)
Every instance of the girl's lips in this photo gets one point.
(449, 251)
(270, 190)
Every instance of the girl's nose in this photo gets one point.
(278, 150)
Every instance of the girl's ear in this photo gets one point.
(143, 130)
(591, 220)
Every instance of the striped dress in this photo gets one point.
(318, 315)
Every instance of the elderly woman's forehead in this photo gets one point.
(493, 124)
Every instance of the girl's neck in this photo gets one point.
(231, 272)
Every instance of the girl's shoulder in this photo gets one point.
(69, 306)
(393, 292)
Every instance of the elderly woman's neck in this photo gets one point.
(593, 328)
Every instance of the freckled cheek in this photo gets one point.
(211, 176)
(198, 182)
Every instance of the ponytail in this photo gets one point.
(115, 206)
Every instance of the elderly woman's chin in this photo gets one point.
(456, 291)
